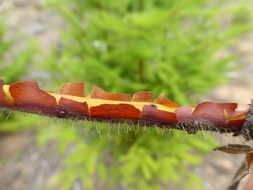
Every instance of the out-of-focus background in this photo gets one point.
(191, 50)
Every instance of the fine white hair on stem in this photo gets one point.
(97, 129)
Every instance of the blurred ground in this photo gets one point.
(218, 168)
(24, 166)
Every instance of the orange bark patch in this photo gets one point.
(125, 111)
(231, 109)
(72, 88)
(212, 112)
(164, 101)
(142, 96)
(28, 96)
(78, 108)
(151, 113)
(102, 94)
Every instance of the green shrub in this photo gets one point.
(12, 67)
(131, 45)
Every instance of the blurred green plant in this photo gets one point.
(12, 67)
(176, 47)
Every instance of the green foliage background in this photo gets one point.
(170, 46)
(127, 46)
(163, 46)
(12, 67)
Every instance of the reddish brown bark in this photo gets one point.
(70, 103)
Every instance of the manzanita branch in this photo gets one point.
(101, 105)
(70, 103)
